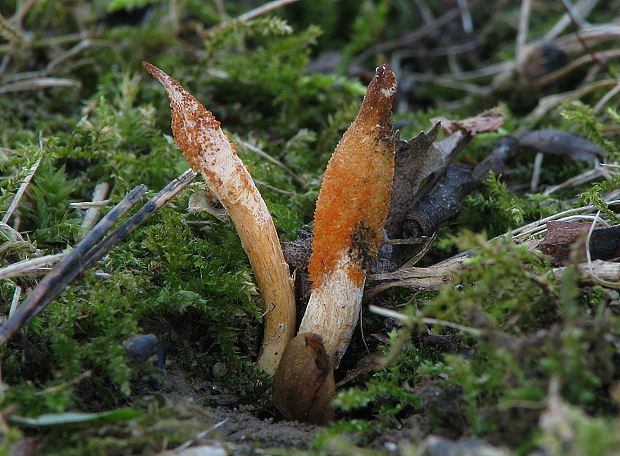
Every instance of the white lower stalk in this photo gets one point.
(334, 308)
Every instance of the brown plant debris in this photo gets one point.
(487, 121)
(415, 160)
(563, 237)
(506, 148)
(442, 205)
(560, 142)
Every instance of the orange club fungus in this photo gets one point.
(208, 149)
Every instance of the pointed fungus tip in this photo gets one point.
(158, 74)
(382, 69)
(150, 68)
(161, 76)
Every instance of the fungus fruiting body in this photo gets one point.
(303, 385)
(348, 225)
(207, 149)
(350, 216)
(349, 221)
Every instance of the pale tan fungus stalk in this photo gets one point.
(348, 225)
(350, 216)
(207, 149)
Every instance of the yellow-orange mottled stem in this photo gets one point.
(207, 148)
(350, 216)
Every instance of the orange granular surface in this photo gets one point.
(196, 131)
(357, 186)
(190, 119)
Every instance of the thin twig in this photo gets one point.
(584, 8)
(424, 320)
(92, 213)
(594, 34)
(452, 83)
(263, 9)
(468, 46)
(14, 302)
(38, 83)
(24, 184)
(224, 17)
(30, 266)
(89, 251)
(536, 172)
(410, 38)
(545, 80)
(590, 265)
(425, 12)
(269, 158)
(53, 41)
(468, 26)
(576, 26)
(418, 256)
(605, 99)
(4, 64)
(10, 233)
(22, 9)
(526, 230)
(9, 31)
(275, 189)
(599, 272)
(579, 179)
(65, 271)
(79, 47)
(547, 103)
(429, 278)
(524, 20)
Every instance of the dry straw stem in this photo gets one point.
(350, 216)
(207, 149)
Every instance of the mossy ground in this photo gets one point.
(184, 277)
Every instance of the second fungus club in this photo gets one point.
(348, 225)
(207, 149)
(350, 216)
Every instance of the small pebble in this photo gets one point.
(141, 348)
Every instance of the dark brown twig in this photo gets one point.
(436, 177)
(586, 46)
(441, 205)
(89, 251)
(412, 37)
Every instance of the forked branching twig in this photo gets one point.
(577, 24)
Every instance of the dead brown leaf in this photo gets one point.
(487, 121)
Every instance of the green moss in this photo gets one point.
(185, 278)
(157, 429)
